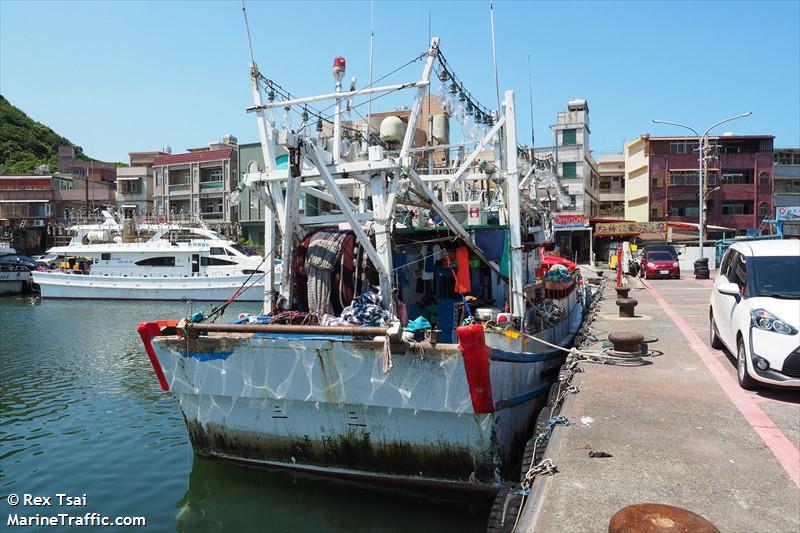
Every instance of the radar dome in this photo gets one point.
(393, 129)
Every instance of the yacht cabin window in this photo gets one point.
(157, 261)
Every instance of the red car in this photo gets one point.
(660, 265)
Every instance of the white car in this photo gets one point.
(755, 311)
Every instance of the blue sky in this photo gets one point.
(116, 77)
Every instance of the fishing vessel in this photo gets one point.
(151, 259)
(414, 332)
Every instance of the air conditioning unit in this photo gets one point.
(38, 223)
(467, 213)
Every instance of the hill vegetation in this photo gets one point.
(26, 144)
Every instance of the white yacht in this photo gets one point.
(152, 260)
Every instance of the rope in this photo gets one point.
(217, 312)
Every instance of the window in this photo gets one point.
(684, 209)
(763, 178)
(572, 201)
(158, 178)
(737, 177)
(657, 180)
(212, 206)
(105, 257)
(683, 178)
(763, 210)
(128, 186)
(682, 147)
(738, 207)
(167, 261)
(787, 186)
(604, 185)
(213, 261)
(737, 271)
(570, 170)
(657, 211)
(690, 177)
(41, 209)
(776, 276)
(211, 175)
(216, 251)
(569, 137)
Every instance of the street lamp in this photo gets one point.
(701, 161)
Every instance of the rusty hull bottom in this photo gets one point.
(351, 456)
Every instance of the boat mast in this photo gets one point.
(514, 224)
(268, 152)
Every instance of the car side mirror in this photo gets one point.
(730, 289)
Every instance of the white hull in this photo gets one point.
(324, 404)
(207, 288)
(13, 282)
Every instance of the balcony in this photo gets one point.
(611, 195)
(214, 186)
(179, 187)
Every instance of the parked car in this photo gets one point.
(660, 264)
(755, 311)
(48, 260)
(661, 248)
(19, 261)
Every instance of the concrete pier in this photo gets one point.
(679, 430)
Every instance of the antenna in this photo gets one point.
(371, 45)
(247, 29)
(530, 96)
(494, 59)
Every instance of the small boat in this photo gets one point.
(334, 378)
(15, 271)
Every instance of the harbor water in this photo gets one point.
(81, 412)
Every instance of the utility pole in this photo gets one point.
(702, 160)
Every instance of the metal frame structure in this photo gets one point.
(322, 174)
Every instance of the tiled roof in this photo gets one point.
(193, 157)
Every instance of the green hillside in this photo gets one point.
(25, 143)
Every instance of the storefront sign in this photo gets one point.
(618, 229)
(787, 213)
(569, 221)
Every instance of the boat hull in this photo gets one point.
(324, 404)
(209, 288)
(13, 282)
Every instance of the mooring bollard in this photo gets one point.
(658, 518)
(626, 306)
(622, 292)
(626, 341)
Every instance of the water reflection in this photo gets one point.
(226, 497)
(82, 412)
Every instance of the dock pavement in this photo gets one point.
(679, 430)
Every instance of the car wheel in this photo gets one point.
(716, 343)
(745, 381)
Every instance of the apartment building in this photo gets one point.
(739, 185)
(576, 168)
(135, 183)
(637, 179)
(96, 170)
(34, 207)
(611, 186)
(787, 177)
(198, 183)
